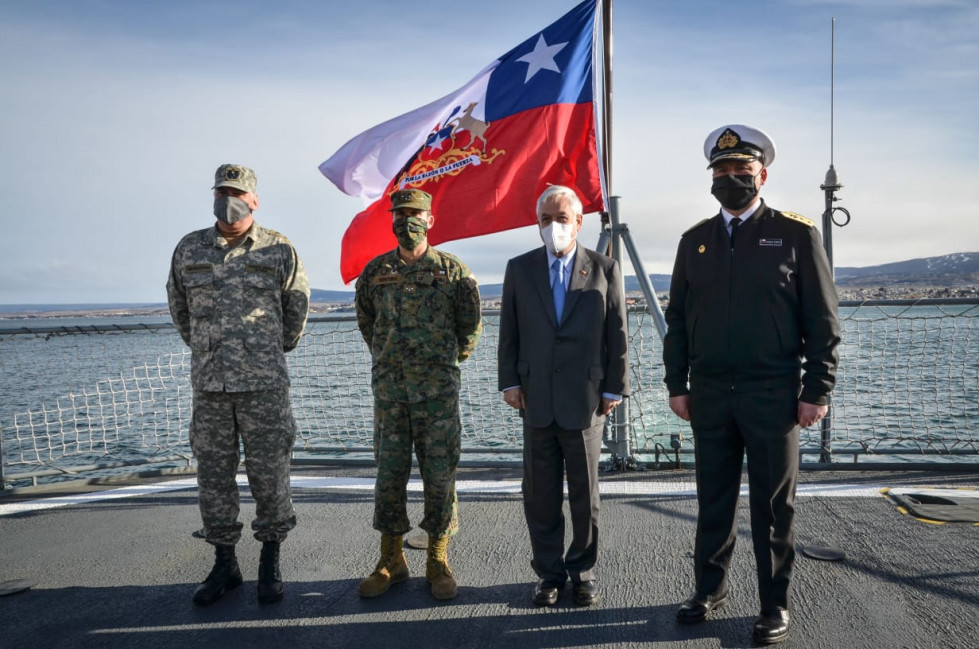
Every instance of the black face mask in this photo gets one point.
(734, 192)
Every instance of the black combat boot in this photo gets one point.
(269, 579)
(224, 576)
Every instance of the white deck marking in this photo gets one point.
(611, 487)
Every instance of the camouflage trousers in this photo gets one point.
(263, 423)
(434, 429)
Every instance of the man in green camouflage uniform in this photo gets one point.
(419, 311)
(239, 297)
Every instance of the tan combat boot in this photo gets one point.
(437, 569)
(391, 569)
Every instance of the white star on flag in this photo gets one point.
(437, 142)
(542, 58)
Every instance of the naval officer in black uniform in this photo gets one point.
(750, 358)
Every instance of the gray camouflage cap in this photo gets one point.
(237, 176)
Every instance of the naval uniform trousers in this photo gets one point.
(727, 425)
(547, 454)
(434, 429)
(263, 422)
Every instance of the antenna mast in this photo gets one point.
(832, 184)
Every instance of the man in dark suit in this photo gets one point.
(563, 362)
(750, 358)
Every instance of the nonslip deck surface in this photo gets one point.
(116, 571)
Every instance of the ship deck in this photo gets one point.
(115, 565)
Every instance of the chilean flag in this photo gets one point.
(486, 151)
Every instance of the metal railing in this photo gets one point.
(98, 400)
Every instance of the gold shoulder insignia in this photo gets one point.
(799, 218)
(695, 227)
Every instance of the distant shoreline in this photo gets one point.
(953, 276)
(56, 312)
(25, 312)
(48, 312)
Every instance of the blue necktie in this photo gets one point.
(557, 286)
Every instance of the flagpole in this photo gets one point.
(606, 244)
(607, 93)
(619, 440)
(615, 237)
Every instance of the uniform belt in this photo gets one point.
(743, 384)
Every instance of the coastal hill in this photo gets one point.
(951, 271)
(955, 275)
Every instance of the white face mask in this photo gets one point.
(557, 236)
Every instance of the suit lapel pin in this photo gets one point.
(702, 249)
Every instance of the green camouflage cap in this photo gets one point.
(414, 198)
(237, 176)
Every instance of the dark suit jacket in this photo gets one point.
(564, 369)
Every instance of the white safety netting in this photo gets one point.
(908, 383)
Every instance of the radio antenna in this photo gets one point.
(832, 88)
(832, 184)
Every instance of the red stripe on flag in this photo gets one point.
(524, 153)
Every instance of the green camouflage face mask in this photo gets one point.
(410, 231)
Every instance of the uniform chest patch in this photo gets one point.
(437, 278)
(770, 243)
(387, 278)
(254, 268)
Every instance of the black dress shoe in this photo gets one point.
(697, 608)
(586, 593)
(772, 627)
(546, 592)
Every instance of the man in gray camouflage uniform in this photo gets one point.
(239, 297)
(419, 312)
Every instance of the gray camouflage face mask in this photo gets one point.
(230, 209)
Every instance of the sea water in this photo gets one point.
(907, 380)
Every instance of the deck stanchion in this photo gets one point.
(614, 237)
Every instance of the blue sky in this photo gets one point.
(115, 114)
